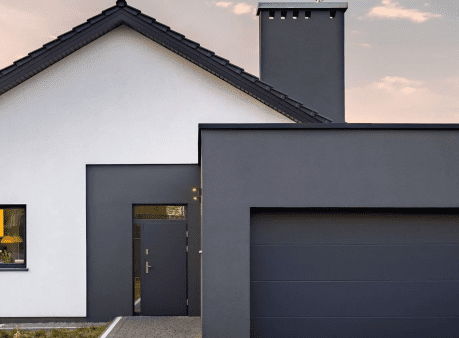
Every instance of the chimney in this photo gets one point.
(302, 53)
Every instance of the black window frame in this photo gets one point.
(15, 266)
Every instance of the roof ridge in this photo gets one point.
(122, 5)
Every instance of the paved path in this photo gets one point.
(132, 327)
(155, 327)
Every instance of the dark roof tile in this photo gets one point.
(8, 69)
(146, 18)
(132, 10)
(220, 60)
(160, 26)
(37, 52)
(308, 111)
(292, 102)
(66, 35)
(111, 10)
(176, 35)
(96, 18)
(204, 51)
(249, 77)
(278, 94)
(81, 27)
(235, 68)
(190, 43)
(51, 44)
(322, 119)
(263, 85)
(20, 62)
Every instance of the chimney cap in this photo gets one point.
(301, 5)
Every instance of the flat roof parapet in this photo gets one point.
(301, 5)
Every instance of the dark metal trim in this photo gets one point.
(360, 210)
(13, 266)
(271, 126)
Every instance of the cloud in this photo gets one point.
(239, 9)
(392, 10)
(394, 99)
(364, 44)
(408, 90)
(243, 8)
(223, 4)
(395, 84)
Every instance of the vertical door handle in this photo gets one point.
(146, 267)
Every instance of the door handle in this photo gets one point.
(147, 266)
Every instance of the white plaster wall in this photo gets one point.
(123, 99)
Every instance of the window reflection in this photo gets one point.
(159, 212)
(12, 228)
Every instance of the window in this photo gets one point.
(12, 236)
(158, 211)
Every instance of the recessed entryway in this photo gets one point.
(160, 260)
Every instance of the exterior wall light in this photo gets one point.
(307, 14)
(332, 13)
(283, 14)
(271, 15)
(197, 191)
(295, 14)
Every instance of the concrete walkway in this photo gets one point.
(154, 327)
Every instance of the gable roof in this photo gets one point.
(122, 14)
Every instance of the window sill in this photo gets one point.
(14, 269)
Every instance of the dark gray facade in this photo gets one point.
(300, 166)
(305, 57)
(112, 190)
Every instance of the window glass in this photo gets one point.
(159, 212)
(12, 235)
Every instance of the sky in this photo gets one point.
(401, 58)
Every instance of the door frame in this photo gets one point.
(140, 257)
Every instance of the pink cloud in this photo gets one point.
(223, 4)
(392, 10)
(243, 8)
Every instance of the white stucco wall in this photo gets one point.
(123, 99)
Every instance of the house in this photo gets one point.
(131, 153)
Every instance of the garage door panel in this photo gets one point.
(354, 327)
(348, 228)
(354, 299)
(354, 263)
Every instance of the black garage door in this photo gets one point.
(358, 273)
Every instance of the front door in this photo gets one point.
(163, 268)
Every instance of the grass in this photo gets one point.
(86, 332)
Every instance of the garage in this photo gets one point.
(348, 272)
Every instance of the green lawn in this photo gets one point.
(87, 332)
